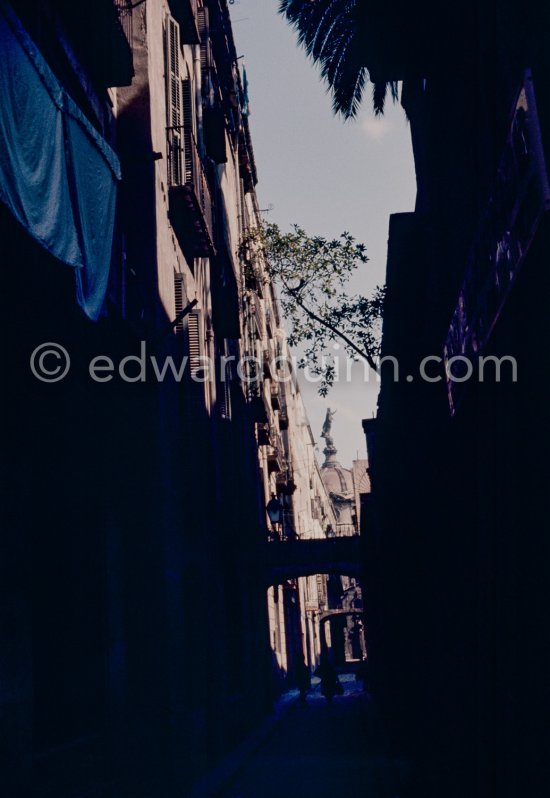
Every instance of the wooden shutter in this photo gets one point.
(187, 98)
(173, 73)
(194, 343)
(173, 103)
(178, 297)
(225, 402)
(242, 208)
(196, 392)
(206, 49)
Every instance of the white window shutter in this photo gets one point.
(205, 48)
(194, 338)
(178, 300)
(173, 72)
(225, 404)
(173, 102)
(187, 105)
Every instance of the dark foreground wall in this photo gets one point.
(458, 559)
(134, 622)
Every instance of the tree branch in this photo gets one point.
(363, 353)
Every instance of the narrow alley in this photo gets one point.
(274, 422)
(319, 749)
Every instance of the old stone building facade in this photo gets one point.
(346, 489)
(143, 639)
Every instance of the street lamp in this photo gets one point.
(275, 513)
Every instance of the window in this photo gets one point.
(173, 103)
(225, 392)
(178, 300)
(196, 365)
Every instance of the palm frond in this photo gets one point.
(379, 91)
(329, 32)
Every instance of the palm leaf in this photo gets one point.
(329, 32)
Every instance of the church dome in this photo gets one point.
(337, 479)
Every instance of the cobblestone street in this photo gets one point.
(320, 750)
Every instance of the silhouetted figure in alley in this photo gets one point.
(303, 680)
(362, 674)
(330, 684)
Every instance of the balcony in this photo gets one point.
(190, 201)
(253, 281)
(268, 365)
(275, 397)
(345, 530)
(264, 435)
(107, 31)
(257, 315)
(275, 458)
(269, 321)
(285, 482)
(225, 295)
(246, 158)
(185, 13)
(257, 407)
(283, 417)
(124, 13)
(102, 38)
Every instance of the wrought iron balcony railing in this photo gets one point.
(103, 38)
(124, 11)
(276, 456)
(257, 314)
(264, 434)
(189, 194)
(275, 396)
(268, 369)
(269, 321)
(285, 482)
(185, 12)
(344, 530)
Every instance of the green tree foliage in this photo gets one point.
(311, 274)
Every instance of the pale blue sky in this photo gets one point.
(324, 174)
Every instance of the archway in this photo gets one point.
(347, 635)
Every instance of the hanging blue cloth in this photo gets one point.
(58, 176)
